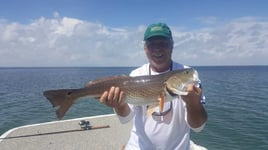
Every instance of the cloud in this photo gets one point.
(239, 42)
(64, 41)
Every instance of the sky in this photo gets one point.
(59, 33)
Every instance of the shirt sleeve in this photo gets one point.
(199, 128)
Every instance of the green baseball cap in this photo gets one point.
(159, 29)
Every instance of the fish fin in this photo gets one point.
(161, 101)
(152, 107)
(62, 99)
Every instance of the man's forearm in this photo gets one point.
(197, 115)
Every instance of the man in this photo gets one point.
(170, 129)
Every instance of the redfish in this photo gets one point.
(140, 90)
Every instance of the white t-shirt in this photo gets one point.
(151, 132)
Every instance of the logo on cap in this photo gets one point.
(159, 29)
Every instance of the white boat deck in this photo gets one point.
(106, 133)
(53, 135)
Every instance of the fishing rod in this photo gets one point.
(85, 125)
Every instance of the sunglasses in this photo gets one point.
(159, 45)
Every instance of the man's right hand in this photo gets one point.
(115, 98)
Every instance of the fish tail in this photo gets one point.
(63, 99)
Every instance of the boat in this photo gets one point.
(95, 132)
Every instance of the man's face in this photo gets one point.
(158, 50)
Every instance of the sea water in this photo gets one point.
(236, 101)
